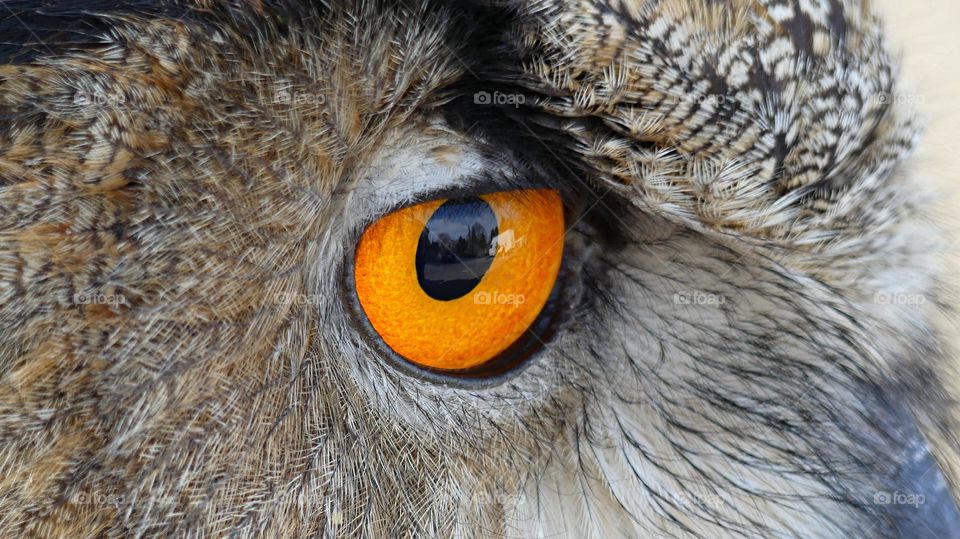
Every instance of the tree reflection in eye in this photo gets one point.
(456, 248)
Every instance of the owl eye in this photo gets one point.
(463, 286)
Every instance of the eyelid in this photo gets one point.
(472, 186)
(475, 186)
(446, 165)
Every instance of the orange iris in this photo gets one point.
(451, 284)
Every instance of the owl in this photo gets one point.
(512, 268)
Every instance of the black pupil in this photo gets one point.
(456, 248)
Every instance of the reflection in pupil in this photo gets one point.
(456, 248)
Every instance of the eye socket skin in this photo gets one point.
(453, 285)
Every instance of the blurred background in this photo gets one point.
(924, 35)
